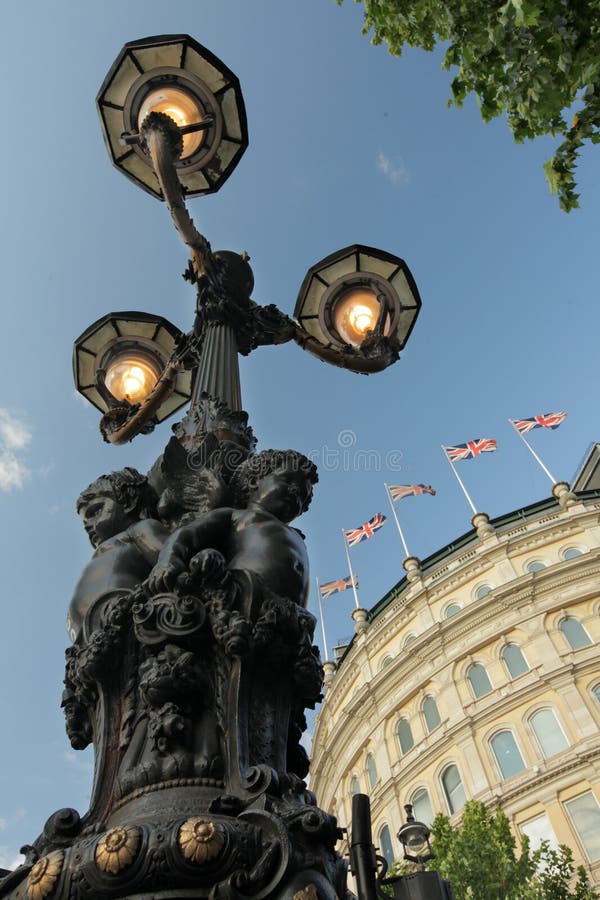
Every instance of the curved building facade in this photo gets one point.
(478, 677)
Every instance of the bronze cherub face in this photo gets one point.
(285, 493)
(103, 515)
(114, 502)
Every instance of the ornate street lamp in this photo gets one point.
(174, 122)
(127, 359)
(193, 659)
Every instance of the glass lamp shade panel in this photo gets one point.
(176, 75)
(121, 357)
(414, 838)
(348, 293)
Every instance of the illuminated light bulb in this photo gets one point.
(362, 319)
(130, 378)
(355, 314)
(182, 107)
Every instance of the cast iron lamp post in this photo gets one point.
(192, 661)
(174, 122)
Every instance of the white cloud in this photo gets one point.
(394, 169)
(14, 438)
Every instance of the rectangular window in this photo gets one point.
(538, 830)
(585, 815)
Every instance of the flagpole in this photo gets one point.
(322, 620)
(396, 520)
(352, 579)
(533, 453)
(459, 479)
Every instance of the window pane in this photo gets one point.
(409, 639)
(596, 692)
(514, 660)
(453, 788)
(538, 830)
(508, 757)
(431, 713)
(585, 813)
(575, 633)
(371, 770)
(452, 610)
(479, 680)
(405, 735)
(482, 591)
(385, 663)
(571, 553)
(535, 566)
(385, 845)
(354, 786)
(548, 732)
(421, 805)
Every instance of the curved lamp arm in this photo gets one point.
(164, 140)
(375, 354)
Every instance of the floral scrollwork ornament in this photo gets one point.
(200, 840)
(117, 849)
(44, 875)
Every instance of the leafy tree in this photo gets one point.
(536, 60)
(480, 859)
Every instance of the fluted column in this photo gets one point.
(218, 373)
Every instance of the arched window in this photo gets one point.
(571, 553)
(482, 591)
(548, 732)
(575, 633)
(514, 660)
(452, 610)
(371, 770)
(508, 756)
(536, 565)
(354, 785)
(409, 639)
(453, 789)
(385, 663)
(585, 815)
(385, 846)
(405, 736)
(596, 692)
(431, 713)
(480, 682)
(421, 805)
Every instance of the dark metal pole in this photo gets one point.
(363, 861)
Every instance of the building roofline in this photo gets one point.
(522, 514)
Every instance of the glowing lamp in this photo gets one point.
(176, 75)
(121, 358)
(360, 303)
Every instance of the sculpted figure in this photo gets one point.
(271, 489)
(118, 513)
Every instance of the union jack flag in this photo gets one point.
(399, 491)
(355, 535)
(332, 587)
(548, 420)
(471, 449)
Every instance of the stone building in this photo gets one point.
(477, 676)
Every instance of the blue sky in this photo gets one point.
(347, 144)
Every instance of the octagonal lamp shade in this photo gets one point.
(354, 294)
(121, 357)
(174, 74)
